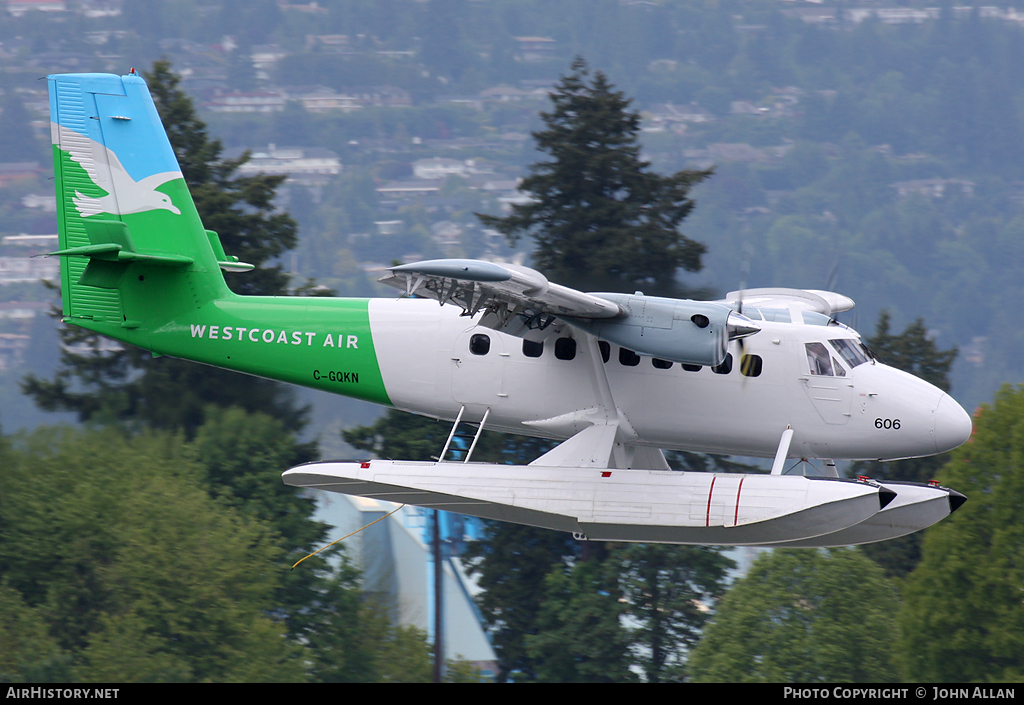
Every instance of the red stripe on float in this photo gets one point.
(707, 522)
(738, 490)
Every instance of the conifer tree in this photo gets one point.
(600, 218)
(669, 591)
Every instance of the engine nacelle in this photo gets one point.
(679, 330)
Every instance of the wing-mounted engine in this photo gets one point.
(679, 330)
(521, 301)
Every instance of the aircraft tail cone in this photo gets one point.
(955, 500)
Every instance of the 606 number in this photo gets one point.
(888, 423)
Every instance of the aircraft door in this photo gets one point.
(828, 384)
(478, 368)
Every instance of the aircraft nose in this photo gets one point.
(953, 425)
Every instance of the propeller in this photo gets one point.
(746, 255)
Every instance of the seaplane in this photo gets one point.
(615, 378)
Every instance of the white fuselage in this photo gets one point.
(866, 410)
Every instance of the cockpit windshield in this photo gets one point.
(852, 351)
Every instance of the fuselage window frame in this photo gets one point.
(533, 348)
(479, 344)
(751, 365)
(726, 366)
(565, 348)
(628, 358)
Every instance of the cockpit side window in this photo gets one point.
(840, 371)
(819, 359)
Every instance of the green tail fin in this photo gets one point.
(124, 211)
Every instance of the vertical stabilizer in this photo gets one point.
(123, 208)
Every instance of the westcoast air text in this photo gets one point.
(276, 336)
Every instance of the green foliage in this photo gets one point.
(599, 217)
(579, 637)
(27, 652)
(137, 572)
(152, 559)
(802, 616)
(243, 455)
(963, 620)
(669, 591)
(511, 563)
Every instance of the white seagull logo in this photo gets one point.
(124, 194)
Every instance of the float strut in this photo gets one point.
(783, 451)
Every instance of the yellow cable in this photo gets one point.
(352, 534)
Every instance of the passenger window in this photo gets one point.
(479, 344)
(818, 359)
(533, 349)
(628, 358)
(606, 350)
(726, 366)
(750, 365)
(661, 364)
(565, 348)
(691, 368)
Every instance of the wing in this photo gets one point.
(826, 302)
(514, 299)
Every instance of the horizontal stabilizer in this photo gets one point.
(614, 505)
(110, 253)
(229, 263)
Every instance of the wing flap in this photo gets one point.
(514, 299)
